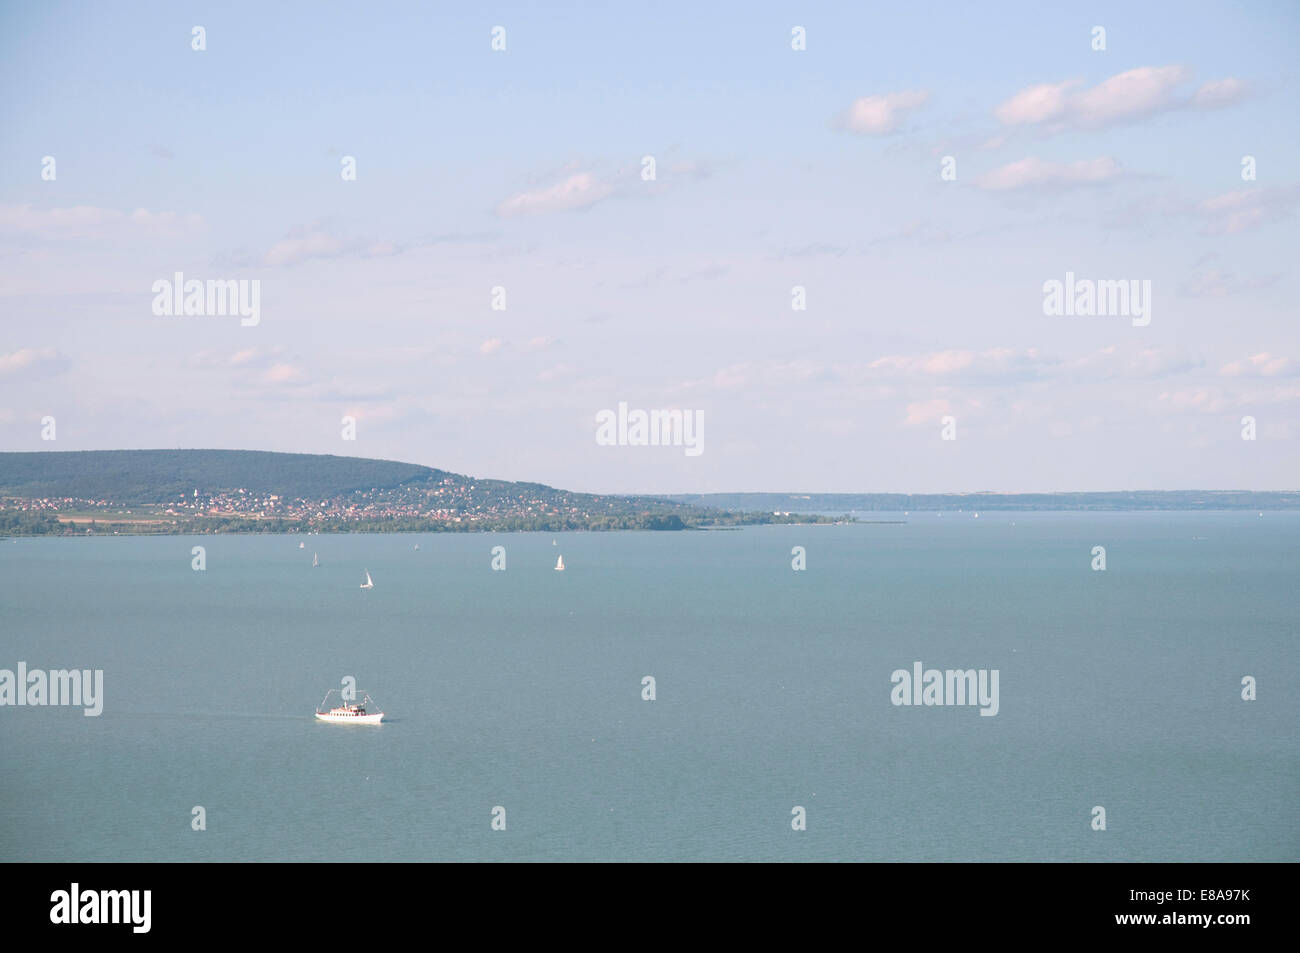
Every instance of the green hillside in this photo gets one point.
(240, 491)
(158, 476)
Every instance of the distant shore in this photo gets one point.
(46, 522)
(203, 492)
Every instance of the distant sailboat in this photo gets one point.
(559, 564)
(302, 545)
(369, 583)
(315, 561)
(417, 547)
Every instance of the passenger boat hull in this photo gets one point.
(367, 719)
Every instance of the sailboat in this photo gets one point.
(369, 583)
(315, 561)
(559, 564)
(302, 545)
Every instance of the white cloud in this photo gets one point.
(926, 412)
(1035, 104)
(1128, 95)
(1124, 97)
(292, 250)
(283, 374)
(731, 378)
(1216, 400)
(881, 115)
(247, 358)
(46, 359)
(1235, 212)
(1257, 365)
(307, 242)
(1203, 399)
(1039, 173)
(555, 373)
(1006, 365)
(577, 191)
(1224, 92)
(995, 367)
(1134, 364)
(993, 363)
(766, 375)
(374, 413)
(88, 221)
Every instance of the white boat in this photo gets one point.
(369, 583)
(346, 714)
(417, 547)
(559, 564)
(302, 545)
(315, 561)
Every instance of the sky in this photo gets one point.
(921, 171)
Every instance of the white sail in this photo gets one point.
(315, 561)
(369, 583)
(559, 564)
(302, 545)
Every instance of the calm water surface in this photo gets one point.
(523, 689)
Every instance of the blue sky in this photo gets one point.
(775, 168)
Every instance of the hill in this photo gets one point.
(202, 491)
(158, 476)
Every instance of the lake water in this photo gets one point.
(523, 689)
